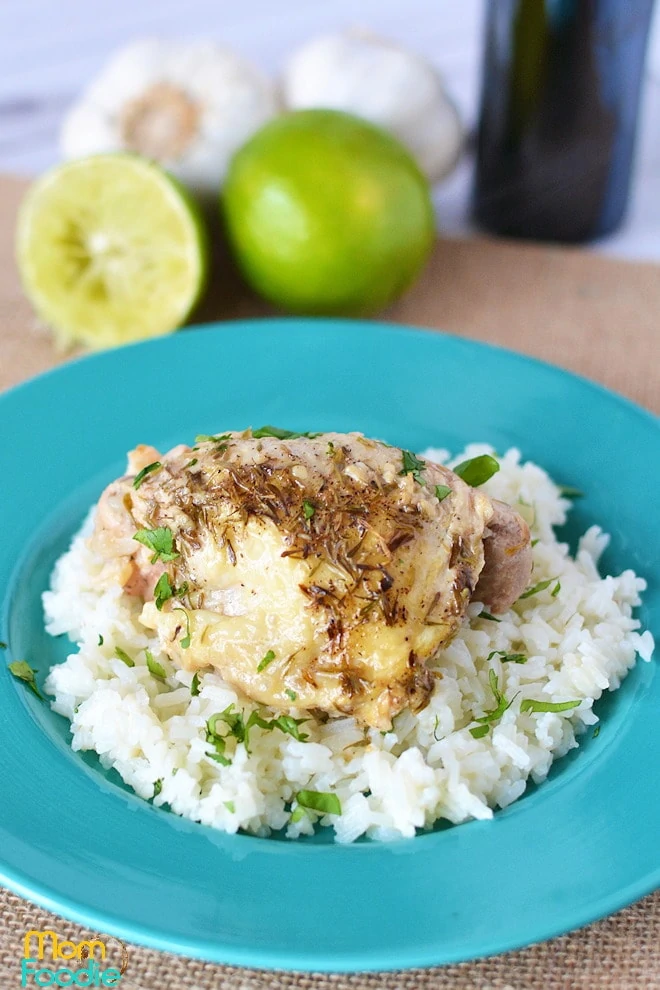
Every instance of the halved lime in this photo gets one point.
(111, 249)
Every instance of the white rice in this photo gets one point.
(579, 643)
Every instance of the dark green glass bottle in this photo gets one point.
(559, 106)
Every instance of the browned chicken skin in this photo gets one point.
(316, 573)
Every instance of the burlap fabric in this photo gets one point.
(597, 317)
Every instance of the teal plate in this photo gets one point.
(74, 840)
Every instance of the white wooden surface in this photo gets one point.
(50, 48)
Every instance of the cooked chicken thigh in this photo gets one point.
(313, 572)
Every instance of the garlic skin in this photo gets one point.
(187, 105)
(383, 83)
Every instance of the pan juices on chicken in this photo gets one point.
(314, 572)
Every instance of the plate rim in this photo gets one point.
(254, 958)
(407, 329)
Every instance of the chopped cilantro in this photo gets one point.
(596, 732)
(242, 728)
(230, 806)
(567, 491)
(268, 658)
(308, 508)
(279, 434)
(534, 542)
(232, 719)
(3, 646)
(531, 706)
(441, 492)
(479, 731)
(290, 726)
(124, 657)
(218, 756)
(275, 431)
(331, 448)
(291, 694)
(298, 814)
(100, 642)
(507, 657)
(486, 615)
(477, 470)
(156, 669)
(557, 588)
(435, 729)
(321, 801)
(185, 642)
(141, 475)
(412, 465)
(191, 463)
(163, 591)
(160, 540)
(501, 704)
(24, 672)
(285, 723)
(158, 786)
(219, 440)
(239, 729)
(194, 684)
(217, 741)
(534, 590)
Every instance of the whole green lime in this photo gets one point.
(327, 214)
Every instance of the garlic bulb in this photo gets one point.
(383, 83)
(187, 105)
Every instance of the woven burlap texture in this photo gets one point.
(619, 953)
(597, 317)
